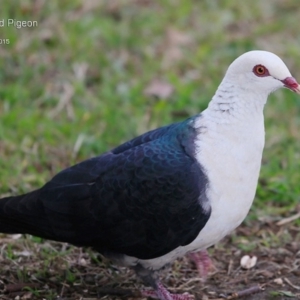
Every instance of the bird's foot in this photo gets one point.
(162, 293)
(202, 261)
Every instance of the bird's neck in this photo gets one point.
(232, 104)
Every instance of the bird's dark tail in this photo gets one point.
(24, 214)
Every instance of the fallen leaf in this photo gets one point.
(287, 294)
(175, 41)
(159, 88)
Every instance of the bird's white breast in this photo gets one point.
(231, 156)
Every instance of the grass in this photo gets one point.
(79, 79)
(74, 86)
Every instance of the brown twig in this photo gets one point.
(11, 288)
(252, 290)
(296, 287)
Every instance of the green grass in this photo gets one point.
(101, 57)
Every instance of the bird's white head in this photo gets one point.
(261, 71)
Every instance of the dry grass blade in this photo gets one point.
(296, 287)
(288, 220)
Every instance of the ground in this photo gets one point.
(50, 270)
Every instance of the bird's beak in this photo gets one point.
(292, 84)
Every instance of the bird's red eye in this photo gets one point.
(260, 70)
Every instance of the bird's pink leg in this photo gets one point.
(202, 261)
(162, 293)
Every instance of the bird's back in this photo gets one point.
(141, 199)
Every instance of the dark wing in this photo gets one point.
(143, 199)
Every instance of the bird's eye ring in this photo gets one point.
(260, 70)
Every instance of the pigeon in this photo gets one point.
(172, 191)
